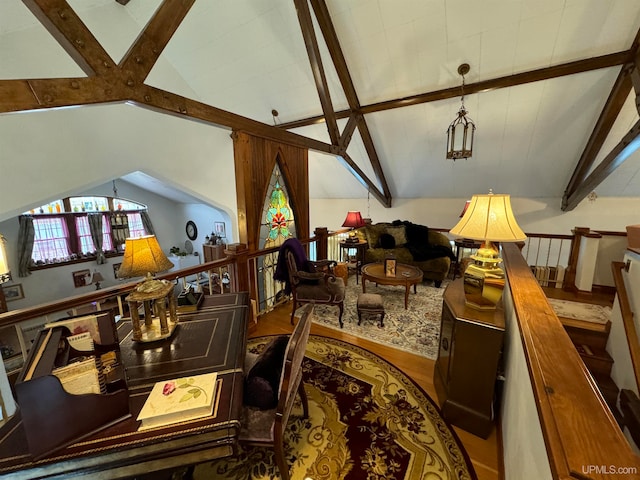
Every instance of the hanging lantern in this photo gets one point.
(461, 131)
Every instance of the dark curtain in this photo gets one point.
(95, 227)
(146, 223)
(26, 235)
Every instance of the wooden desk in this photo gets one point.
(210, 341)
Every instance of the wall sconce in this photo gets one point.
(461, 131)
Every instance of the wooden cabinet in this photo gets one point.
(213, 252)
(469, 357)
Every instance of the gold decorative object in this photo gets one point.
(143, 256)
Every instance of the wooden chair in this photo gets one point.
(266, 428)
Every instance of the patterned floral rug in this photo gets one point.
(367, 420)
(415, 329)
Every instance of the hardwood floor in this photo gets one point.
(484, 454)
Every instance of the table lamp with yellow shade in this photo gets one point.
(144, 257)
(488, 218)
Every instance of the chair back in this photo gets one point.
(292, 369)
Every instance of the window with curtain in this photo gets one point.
(51, 240)
(62, 231)
(85, 242)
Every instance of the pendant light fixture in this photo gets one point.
(461, 130)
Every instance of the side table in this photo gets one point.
(469, 356)
(360, 246)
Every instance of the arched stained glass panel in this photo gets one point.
(278, 224)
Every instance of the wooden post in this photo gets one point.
(239, 268)
(322, 242)
(570, 274)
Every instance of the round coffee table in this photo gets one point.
(406, 275)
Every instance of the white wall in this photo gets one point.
(534, 215)
(524, 451)
(55, 153)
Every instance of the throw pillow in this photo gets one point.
(399, 234)
(263, 380)
(387, 241)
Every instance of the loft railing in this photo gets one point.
(579, 430)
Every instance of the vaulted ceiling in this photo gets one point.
(370, 86)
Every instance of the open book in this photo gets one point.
(179, 400)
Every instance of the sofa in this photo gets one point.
(409, 243)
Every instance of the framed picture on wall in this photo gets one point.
(81, 278)
(219, 229)
(13, 292)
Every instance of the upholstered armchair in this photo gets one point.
(308, 281)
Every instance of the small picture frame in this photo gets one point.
(13, 292)
(390, 267)
(219, 229)
(81, 278)
(116, 267)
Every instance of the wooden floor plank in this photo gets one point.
(484, 454)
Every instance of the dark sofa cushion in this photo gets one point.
(387, 241)
(263, 380)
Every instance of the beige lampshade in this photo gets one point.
(5, 272)
(143, 255)
(489, 217)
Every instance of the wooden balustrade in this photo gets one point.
(579, 430)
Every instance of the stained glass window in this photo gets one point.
(278, 219)
(277, 225)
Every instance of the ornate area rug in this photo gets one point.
(415, 329)
(367, 420)
(581, 311)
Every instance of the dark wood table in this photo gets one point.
(210, 341)
(406, 275)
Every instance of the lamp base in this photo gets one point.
(483, 287)
(153, 332)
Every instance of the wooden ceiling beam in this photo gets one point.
(166, 102)
(547, 73)
(608, 115)
(311, 43)
(357, 172)
(629, 143)
(335, 51)
(62, 22)
(580, 185)
(147, 48)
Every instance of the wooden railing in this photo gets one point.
(578, 428)
(627, 319)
